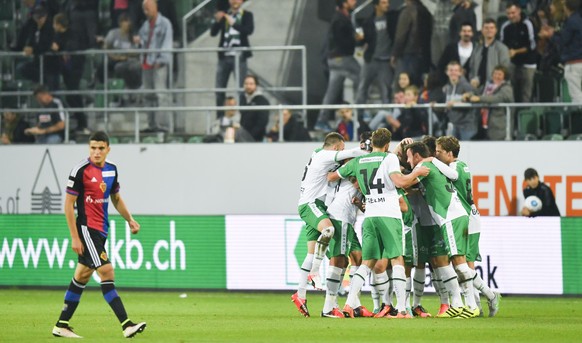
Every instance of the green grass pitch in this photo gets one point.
(29, 315)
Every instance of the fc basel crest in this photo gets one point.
(103, 256)
(103, 186)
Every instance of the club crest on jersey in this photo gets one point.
(103, 186)
(103, 256)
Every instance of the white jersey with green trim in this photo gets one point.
(314, 182)
(342, 208)
(373, 174)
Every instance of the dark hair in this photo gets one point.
(490, 21)
(332, 139)
(366, 140)
(40, 89)
(340, 3)
(430, 142)
(381, 137)
(99, 136)
(450, 143)
(254, 77)
(228, 98)
(123, 17)
(513, 3)
(62, 20)
(503, 69)
(466, 23)
(530, 173)
(418, 148)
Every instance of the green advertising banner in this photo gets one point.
(168, 252)
(572, 255)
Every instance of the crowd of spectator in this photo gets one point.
(493, 63)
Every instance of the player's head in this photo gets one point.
(381, 139)
(430, 142)
(531, 177)
(366, 140)
(416, 152)
(447, 149)
(334, 141)
(98, 148)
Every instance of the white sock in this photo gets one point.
(388, 296)
(439, 287)
(408, 290)
(399, 281)
(321, 248)
(480, 285)
(451, 284)
(380, 282)
(357, 284)
(375, 296)
(353, 270)
(466, 276)
(333, 283)
(418, 279)
(303, 272)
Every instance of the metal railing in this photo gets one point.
(106, 92)
(358, 10)
(187, 17)
(138, 111)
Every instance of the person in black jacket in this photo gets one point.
(460, 51)
(254, 121)
(379, 31)
(235, 27)
(542, 191)
(520, 37)
(293, 129)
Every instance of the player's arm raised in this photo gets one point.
(124, 212)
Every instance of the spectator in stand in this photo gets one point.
(345, 126)
(460, 51)
(387, 118)
(293, 129)
(124, 65)
(13, 129)
(379, 31)
(50, 125)
(230, 122)
(543, 192)
(342, 39)
(29, 26)
(569, 40)
(412, 122)
(411, 49)
(463, 120)
(254, 121)
(493, 124)
(155, 33)
(402, 82)
(83, 16)
(518, 35)
(234, 27)
(118, 8)
(38, 43)
(71, 69)
(431, 93)
(463, 12)
(487, 55)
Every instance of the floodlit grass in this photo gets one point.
(29, 315)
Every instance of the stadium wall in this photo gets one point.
(519, 255)
(224, 179)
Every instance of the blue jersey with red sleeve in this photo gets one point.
(93, 185)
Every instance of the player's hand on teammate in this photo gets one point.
(134, 226)
(421, 170)
(428, 159)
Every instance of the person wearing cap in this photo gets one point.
(39, 42)
(541, 190)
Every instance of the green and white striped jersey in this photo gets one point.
(373, 173)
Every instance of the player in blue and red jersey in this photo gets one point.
(92, 183)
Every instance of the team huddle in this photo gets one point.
(418, 209)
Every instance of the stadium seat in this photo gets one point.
(150, 140)
(7, 9)
(575, 137)
(175, 139)
(575, 121)
(126, 140)
(565, 93)
(528, 123)
(195, 139)
(553, 120)
(113, 140)
(553, 137)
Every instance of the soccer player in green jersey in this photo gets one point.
(447, 152)
(448, 212)
(313, 212)
(378, 175)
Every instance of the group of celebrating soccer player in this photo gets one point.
(418, 209)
